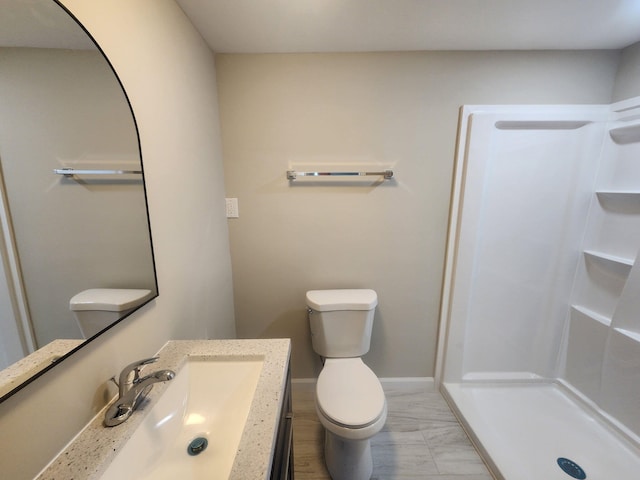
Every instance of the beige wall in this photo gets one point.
(65, 108)
(393, 109)
(169, 75)
(628, 79)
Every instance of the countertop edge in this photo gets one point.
(22, 370)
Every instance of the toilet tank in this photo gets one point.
(341, 321)
(97, 308)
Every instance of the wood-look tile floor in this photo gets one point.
(420, 440)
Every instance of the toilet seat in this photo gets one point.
(349, 394)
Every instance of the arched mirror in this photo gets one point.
(62, 107)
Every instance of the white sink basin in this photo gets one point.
(208, 399)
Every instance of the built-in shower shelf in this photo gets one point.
(628, 333)
(633, 195)
(620, 264)
(587, 312)
(629, 133)
(622, 201)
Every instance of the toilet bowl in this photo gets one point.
(350, 401)
(97, 308)
(351, 406)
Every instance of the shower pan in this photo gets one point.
(539, 348)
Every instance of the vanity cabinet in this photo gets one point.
(282, 467)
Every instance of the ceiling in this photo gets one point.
(282, 26)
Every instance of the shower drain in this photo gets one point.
(571, 468)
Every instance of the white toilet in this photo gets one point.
(97, 308)
(350, 402)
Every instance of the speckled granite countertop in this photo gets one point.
(96, 446)
(15, 374)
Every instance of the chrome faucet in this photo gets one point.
(130, 395)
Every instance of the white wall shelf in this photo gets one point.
(592, 314)
(620, 264)
(628, 333)
(621, 195)
(604, 315)
(626, 133)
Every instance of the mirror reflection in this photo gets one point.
(61, 106)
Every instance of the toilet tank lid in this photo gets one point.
(109, 299)
(344, 299)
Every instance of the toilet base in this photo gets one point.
(347, 459)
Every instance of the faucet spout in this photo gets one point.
(140, 389)
(130, 397)
(162, 375)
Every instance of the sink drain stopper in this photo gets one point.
(571, 468)
(197, 446)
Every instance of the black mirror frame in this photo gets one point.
(144, 186)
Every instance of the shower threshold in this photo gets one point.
(530, 431)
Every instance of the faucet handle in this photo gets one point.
(146, 361)
(135, 368)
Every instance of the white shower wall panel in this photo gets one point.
(615, 227)
(543, 282)
(621, 380)
(584, 365)
(598, 286)
(529, 191)
(622, 172)
(627, 316)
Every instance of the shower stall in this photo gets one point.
(539, 348)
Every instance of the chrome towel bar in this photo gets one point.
(67, 172)
(292, 174)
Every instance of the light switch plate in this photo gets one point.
(232, 207)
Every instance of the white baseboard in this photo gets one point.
(303, 384)
(408, 382)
